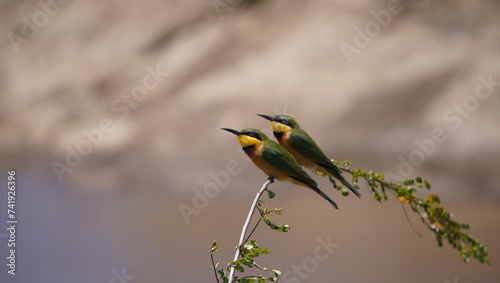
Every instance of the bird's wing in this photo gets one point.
(282, 160)
(308, 148)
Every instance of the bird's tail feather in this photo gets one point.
(321, 193)
(311, 184)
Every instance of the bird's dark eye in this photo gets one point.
(286, 121)
(253, 135)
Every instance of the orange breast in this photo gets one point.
(257, 159)
(285, 142)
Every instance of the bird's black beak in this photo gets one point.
(266, 117)
(231, 131)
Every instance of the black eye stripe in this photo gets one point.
(253, 135)
(285, 121)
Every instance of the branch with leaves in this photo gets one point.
(248, 249)
(433, 216)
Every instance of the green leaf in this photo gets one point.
(266, 220)
(248, 261)
(248, 246)
(466, 226)
(320, 174)
(346, 163)
(427, 184)
(333, 182)
(214, 247)
(408, 182)
(270, 194)
(283, 228)
(222, 273)
(239, 268)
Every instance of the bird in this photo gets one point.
(305, 150)
(274, 160)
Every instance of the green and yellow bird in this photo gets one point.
(274, 160)
(305, 150)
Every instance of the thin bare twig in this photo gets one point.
(215, 268)
(409, 221)
(255, 227)
(245, 226)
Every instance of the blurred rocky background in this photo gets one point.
(110, 113)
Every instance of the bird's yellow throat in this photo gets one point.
(278, 127)
(247, 141)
